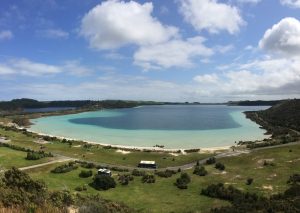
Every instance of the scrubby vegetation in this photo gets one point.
(211, 160)
(33, 155)
(19, 193)
(148, 178)
(85, 173)
(136, 172)
(65, 168)
(200, 170)
(103, 182)
(166, 174)
(289, 201)
(183, 181)
(124, 179)
(220, 166)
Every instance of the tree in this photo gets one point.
(249, 181)
(103, 182)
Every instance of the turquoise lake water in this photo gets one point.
(174, 126)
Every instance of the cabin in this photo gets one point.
(104, 172)
(147, 164)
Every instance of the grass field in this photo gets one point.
(101, 155)
(163, 196)
(10, 158)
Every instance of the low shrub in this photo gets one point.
(220, 166)
(65, 168)
(200, 170)
(136, 172)
(148, 178)
(183, 181)
(85, 173)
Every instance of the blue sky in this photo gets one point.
(175, 50)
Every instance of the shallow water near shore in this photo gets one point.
(174, 126)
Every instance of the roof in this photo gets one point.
(147, 162)
(104, 171)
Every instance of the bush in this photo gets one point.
(220, 166)
(103, 182)
(61, 198)
(211, 160)
(136, 172)
(148, 178)
(125, 179)
(32, 155)
(87, 165)
(200, 170)
(65, 168)
(166, 174)
(85, 173)
(183, 181)
(249, 181)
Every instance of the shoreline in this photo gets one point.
(135, 148)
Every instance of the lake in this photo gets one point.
(174, 126)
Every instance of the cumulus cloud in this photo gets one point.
(207, 78)
(291, 3)
(53, 33)
(174, 53)
(259, 77)
(6, 35)
(201, 14)
(113, 24)
(282, 38)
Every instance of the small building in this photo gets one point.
(147, 164)
(105, 172)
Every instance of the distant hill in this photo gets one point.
(285, 114)
(254, 103)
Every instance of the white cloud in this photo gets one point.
(211, 15)
(113, 24)
(30, 68)
(282, 38)
(291, 3)
(53, 33)
(249, 1)
(259, 77)
(207, 78)
(174, 53)
(6, 35)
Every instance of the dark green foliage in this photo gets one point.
(87, 165)
(20, 189)
(103, 182)
(191, 150)
(124, 179)
(65, 168)
(166, 174)
(249, 202)
(21, 121)
(136, 172)
(249, 181)
(295, 178)
(183, 181)
(148, 178)
(220, 166)
(32, 155)
(211, 160)
(85, 173)
(200, 170)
